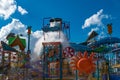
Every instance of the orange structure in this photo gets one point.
(17, 41)
(109, 28)
(83, 63)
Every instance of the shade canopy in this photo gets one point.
(7, 47)
(78, 47)
(106, 40)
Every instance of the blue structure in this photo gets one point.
(114, 77)
(56, 25)
(102, 46)
(7, 47)
(106, 40)
(116, 50)
(47, 29)
(78, 47)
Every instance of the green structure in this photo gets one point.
(17, 41)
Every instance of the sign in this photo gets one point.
(68, 52)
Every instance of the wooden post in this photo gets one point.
(9, 59)
(3, 59)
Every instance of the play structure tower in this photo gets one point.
(52, 54)
(56, 25)
(52, 51)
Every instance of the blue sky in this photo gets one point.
(75, 11)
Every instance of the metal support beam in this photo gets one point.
(61, 62)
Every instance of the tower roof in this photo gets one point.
(17, 41)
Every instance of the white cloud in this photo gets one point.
(15, 26)
(49, 37)
(93, 29)
(95, 19)
(18, 27)
(102, 35)
(37, 34)
(7, 8)
(21, 10)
